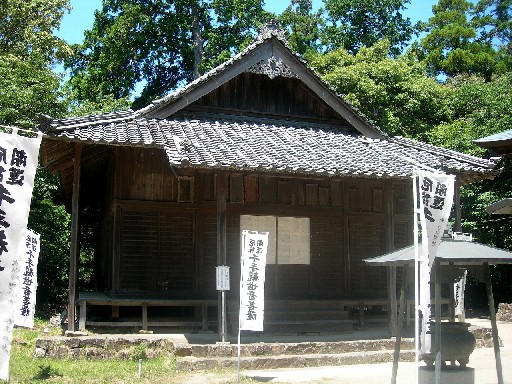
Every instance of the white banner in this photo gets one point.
(435, 202)
(252, 280)
(28, 258)
(459, 288)
(18, 163)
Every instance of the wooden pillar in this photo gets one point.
(402, 313)
(392, 304)
(390, 239)
(221, 189)
(458, 221)
(495, 336)
(73, 261)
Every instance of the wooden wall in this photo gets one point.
(275, 97)
(164, 229)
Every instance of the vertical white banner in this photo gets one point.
(28, 258)
(18, 163)
(459, 288)
(435, 201)
(252, 280)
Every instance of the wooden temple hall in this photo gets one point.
(258, 143)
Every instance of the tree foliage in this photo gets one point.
(158, 44)
(26, 28)
(353, 24)
(27, 87)
(395, 93)
(303, 26)
(452, 45)
(49, 218)
(28, 50)
(478, 109)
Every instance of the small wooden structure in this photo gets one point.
(262, 143)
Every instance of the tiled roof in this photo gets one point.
(219, 141)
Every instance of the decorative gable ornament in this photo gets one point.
(272, 67)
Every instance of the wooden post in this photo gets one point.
(221, 189)
(402, 313)
(437, 299)
(73, 260)
(145, 316)
(495, 337)
(392, 304)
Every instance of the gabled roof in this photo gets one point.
(269, 49)
(240, 142)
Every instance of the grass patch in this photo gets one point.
(25, 368)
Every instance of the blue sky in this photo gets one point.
(81, 16)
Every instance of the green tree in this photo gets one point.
(477, 109)
(493, 20)
(27, 87)
(28, 50)
(451, 47)
(49, 218)
(394, 93)
(26, 28)
(159, 45)
(303, 26)
(353, 24)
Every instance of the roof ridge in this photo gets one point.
(79, 121)
(442, 150)
(256, 119)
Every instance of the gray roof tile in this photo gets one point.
(217, 141)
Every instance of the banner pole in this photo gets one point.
(416, 280)
(238, 370)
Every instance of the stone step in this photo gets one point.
(190, 363)
(284, 349)
(120, 346)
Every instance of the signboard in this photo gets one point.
(29, 255)
(435, 194)
(18, 163)
(252, 280)
(222, 278)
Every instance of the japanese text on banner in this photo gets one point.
(18, 163)
(436, 200)
(29, 255)
(252, 280)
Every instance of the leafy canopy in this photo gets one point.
(26, 28)
(28, 50)
(353, 24)
(158, 45)
(395, 93)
